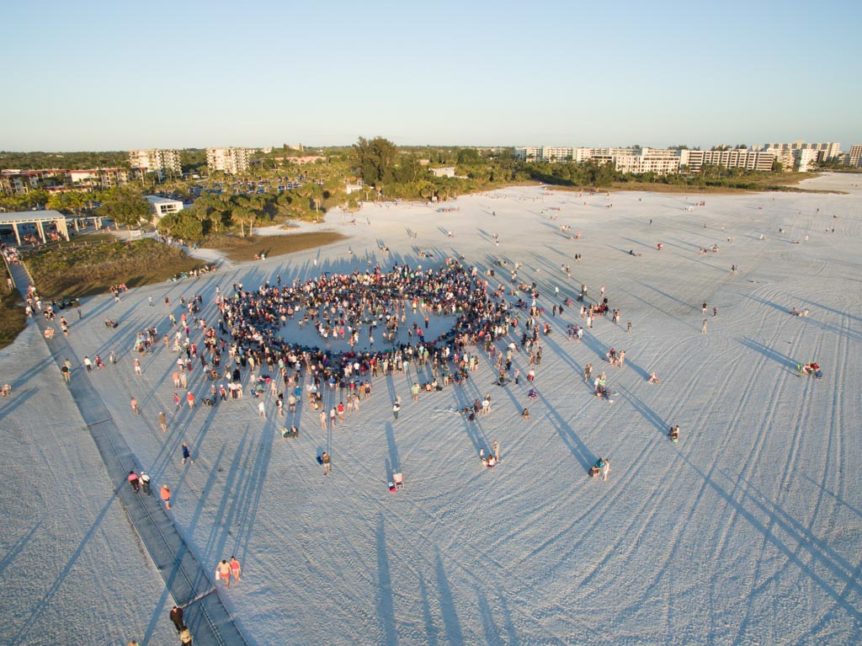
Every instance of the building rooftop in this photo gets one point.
(156, 199)
(30, 216)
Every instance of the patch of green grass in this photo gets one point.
(12, 319)
(86, 268)
(240, 249)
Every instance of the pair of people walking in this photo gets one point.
(227, 570)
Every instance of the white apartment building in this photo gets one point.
(825, 151)
(661, 161)
(528, 153)
(228, 160)
(691, 160)
(557, 153)
(155, 161)
(855, 157)
(694, 160)
(806, 159)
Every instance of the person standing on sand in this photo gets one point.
(235, 568)
(177, 617)
(134, 481)
(325, 460)
(134, 405)
(163, 421)
(223, 572)
(606, 469)
(187, 454)
(165, 495)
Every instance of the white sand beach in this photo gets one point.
(748, 530)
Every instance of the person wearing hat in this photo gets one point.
(134, 481)
(145, 483)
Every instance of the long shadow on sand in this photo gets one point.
(573, 442)
(782, 359)
(817, 551)
(385, 600)
(454, 634)
(793, 554)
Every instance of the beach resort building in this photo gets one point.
(854, 159)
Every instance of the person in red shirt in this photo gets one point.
(166, 496)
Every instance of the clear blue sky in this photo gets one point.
(116, 75)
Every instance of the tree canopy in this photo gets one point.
(375, 159)
(125, 206)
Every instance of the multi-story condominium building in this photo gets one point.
(155, 161)
(691, 160)
(661, 161)
(228, 160)
(110, 177)
(556, 153)
(855, 157)
(101, 178)
(15, 182)
(806, 159)
(694, 160)
(528, 153)
(785, 158)
(601, 155)
(18, 182)
(825, 151)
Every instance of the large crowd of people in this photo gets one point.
(375, 303)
